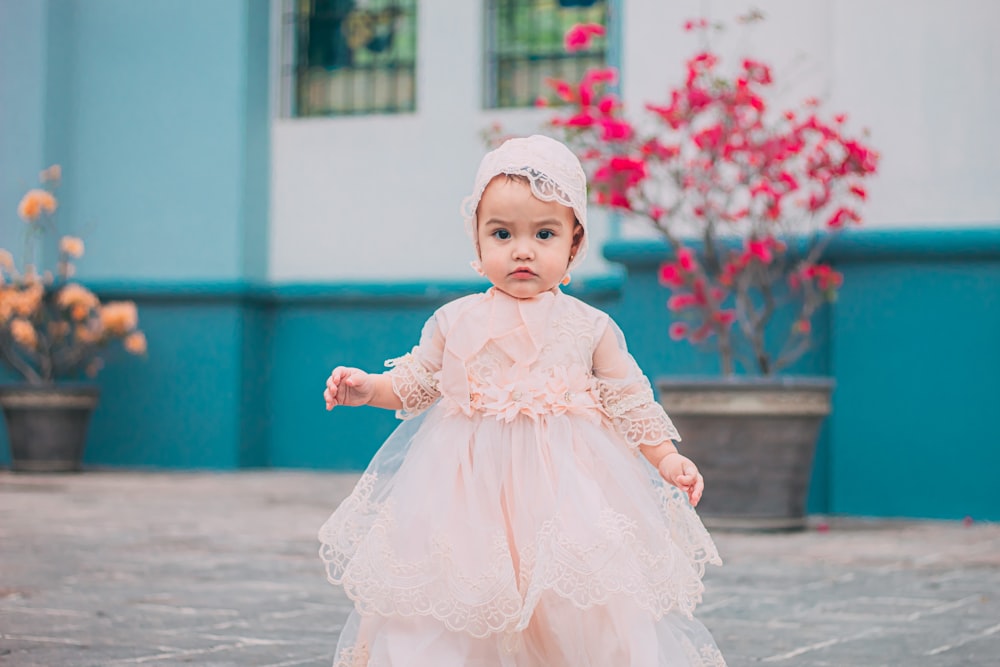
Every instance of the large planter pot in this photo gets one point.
(47, 425)
(754, 440)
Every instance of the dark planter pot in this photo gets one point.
(47, 426)
(754, 440)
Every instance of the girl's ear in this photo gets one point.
(577, 240)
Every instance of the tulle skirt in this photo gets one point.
(541, 541)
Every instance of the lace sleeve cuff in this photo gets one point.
(636, 415)
(415, 386)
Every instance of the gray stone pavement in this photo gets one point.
(123, 568)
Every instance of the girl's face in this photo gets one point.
(525, 244)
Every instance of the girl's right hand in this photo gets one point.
(348, 386)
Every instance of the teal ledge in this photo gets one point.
(410, 292)
(855, 246)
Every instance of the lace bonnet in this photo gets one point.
(554, 172)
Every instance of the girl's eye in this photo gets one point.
(502, 234)
(545, 234)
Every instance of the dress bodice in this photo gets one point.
(493, 355)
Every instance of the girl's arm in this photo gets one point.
(352, 386)
(629, 399)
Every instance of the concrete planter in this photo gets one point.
(47, 425)
(754, 441)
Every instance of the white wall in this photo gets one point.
(376, 198)
(923, 76)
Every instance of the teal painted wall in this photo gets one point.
(235, 373)
(916, 353)
(167, 180)
(22, 101)
(158, 112)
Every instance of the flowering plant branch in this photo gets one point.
(747, 196)
(50, 327)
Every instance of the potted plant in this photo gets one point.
(747, 197)
(52, 330)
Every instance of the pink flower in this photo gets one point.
(678, 330)
(615, 130)
(685, 258)
(563, 90)
(725, 317)
(578, 37)
(670, 276)
(583, 119)
(607, 104)
(681, 301)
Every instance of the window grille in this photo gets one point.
(346, 57)
(524, 47)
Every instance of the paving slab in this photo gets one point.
(109, 568)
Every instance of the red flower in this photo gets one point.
(841, 216)
(678, 330)
(600, 75)
(681, 301)
(562, 89)
(670, 276)
(725, 317)
(685, 258)
(583, 119)
(615, 130)
(578, 37)
(760, 250)
(608, 104)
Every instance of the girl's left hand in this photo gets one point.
(681, 471)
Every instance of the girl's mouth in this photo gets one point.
(522, 273)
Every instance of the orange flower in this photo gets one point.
(87, 335)
(6, 304)
(73, 294)
(6, 260)
(33, 203)
(58, 330)
(94, 367)
(135, 343)
(24, 334)
(119, 317)
(72, 246)
(26, 301)
(53, 173)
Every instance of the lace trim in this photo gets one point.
(355, 656)
(416, 388)
(636, 415)
(359, 556)
(706, 656)
(553, 170)
(659, 577)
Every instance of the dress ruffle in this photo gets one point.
(483, 522)
(508, 521)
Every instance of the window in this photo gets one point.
(349, 57)
(524, 41)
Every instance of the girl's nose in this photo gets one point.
(523, 251)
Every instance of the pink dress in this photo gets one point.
(509, 521)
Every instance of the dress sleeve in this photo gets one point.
(415, 374)
(626, 394)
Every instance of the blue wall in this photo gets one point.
(166, 177)
(235, 372)
(158, 112)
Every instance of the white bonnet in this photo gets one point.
(554, 172)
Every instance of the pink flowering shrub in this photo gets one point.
(51, 327)
(746, 195)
